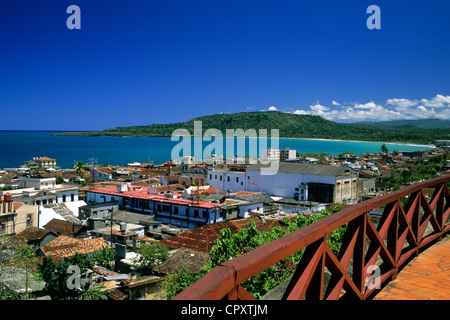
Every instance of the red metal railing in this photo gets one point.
(401, 233)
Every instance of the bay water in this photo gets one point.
(20, 146)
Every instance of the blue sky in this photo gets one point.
(157, 61)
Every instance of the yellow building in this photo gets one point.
(41, 162)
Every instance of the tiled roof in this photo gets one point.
(33, 233)
(202, 238)
(62, 227)
(105, 170)
(116, 294)
(194, 260)
(45, 159)
(168, 187)
(64, 247)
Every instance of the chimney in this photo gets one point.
(8, 199)
(4, 204)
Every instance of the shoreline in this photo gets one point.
(366, 141)
(413, 144)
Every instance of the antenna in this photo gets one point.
(92, 163)
(148, 168)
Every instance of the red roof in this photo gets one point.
(141, 193)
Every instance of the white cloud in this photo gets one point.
(319, 109)
(301, 112)
(439, 101)
(401, 102)
(335, 103)
(393, 109)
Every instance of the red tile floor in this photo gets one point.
(426, 277)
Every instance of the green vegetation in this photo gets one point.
(16, 257)
(289, 126)
(151, 255)
(229, 246)
(57, 275)
(422, 169)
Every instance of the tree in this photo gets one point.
(59, 180)
(58, 276)
(151, 255)
(384, 149)
(16, 256)
(104, 258)
(179, 280)
(79, 167)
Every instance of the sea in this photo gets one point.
(20, 146)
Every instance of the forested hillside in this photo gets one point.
(289, 126)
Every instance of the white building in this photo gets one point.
(303, 181)
(43, 191)
(299, 181)
(279, 154)
(227, 180)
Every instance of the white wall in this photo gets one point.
(283, 184)
(219, 179)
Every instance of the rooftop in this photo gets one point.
(141, 193)
(64, 247)
(305, 168)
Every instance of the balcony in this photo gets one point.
(410, 223)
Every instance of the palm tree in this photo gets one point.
(79, 167)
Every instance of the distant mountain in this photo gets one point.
(289, 126)
(421, 123)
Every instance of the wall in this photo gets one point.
(346, 190)
(283, 184)
(227, 180)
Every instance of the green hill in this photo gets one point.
(289, 126)
(419, 123)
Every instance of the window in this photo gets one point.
(64, 198)
(237, 179)
(29, 220)
(228, 179)
(175, 210)
(215, 176)
(195, 213)
(210, 176)
(220, 178)
(72, 197)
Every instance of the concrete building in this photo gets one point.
(15, 217)
(303, 181)
(169, 208)
(279, 154)
(41, 191)
(228, 179)
(299, 181)
(40, 162)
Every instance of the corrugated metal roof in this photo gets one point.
(305, 168)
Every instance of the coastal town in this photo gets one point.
(148, 221)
